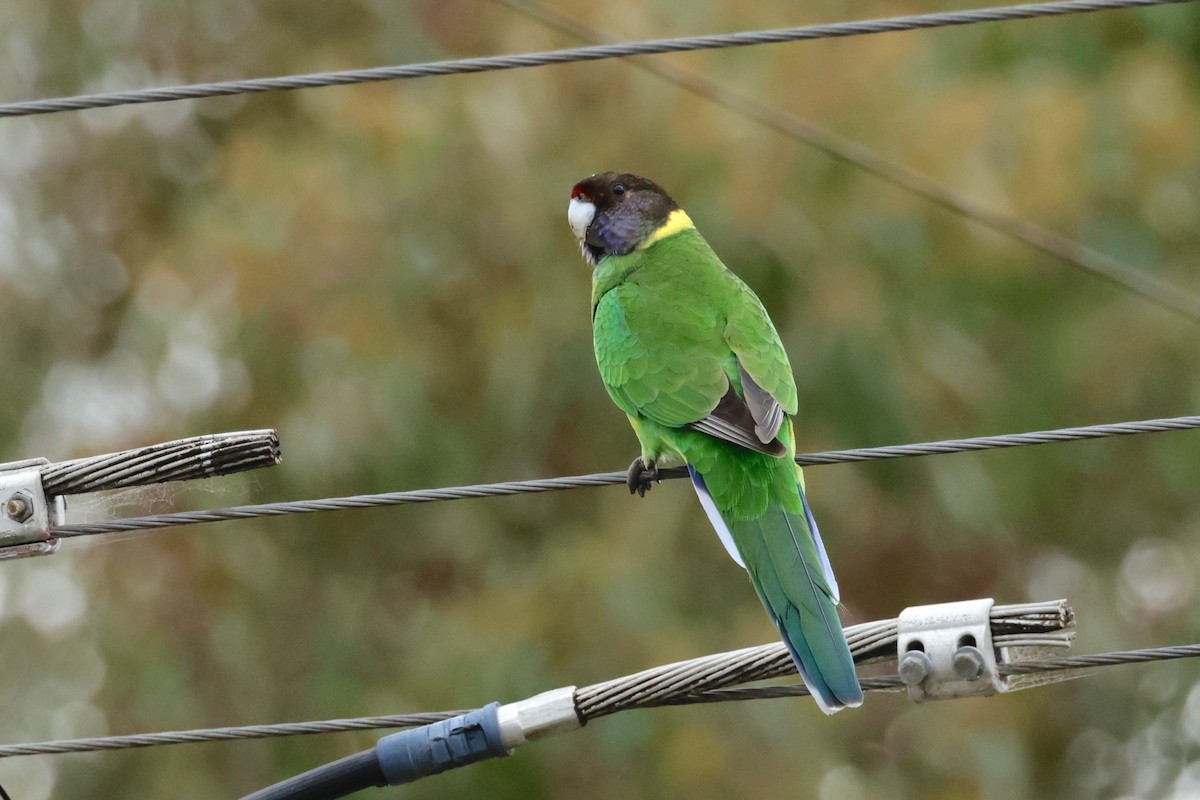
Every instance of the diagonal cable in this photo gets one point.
(892, 683)
(1051, 624)
(130, 741)
(572, 55)
(609, 478)
(1039, 238)
(885, 683)
(1053, 620)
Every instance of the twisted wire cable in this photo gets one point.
(884, 683)
(892, 683)
(181, 460)
(157, 521)
(1002, 441)
(1141, 656)
(572, 55)
(97, 743)
(1051, 624)
(1035, 236)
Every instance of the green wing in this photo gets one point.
(687, 343)
(753, 338)
(649, 369)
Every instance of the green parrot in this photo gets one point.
(687, 351)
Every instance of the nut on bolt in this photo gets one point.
(19, 506)
(968, 663)
(914, 668)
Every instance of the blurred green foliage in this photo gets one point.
(385, 274)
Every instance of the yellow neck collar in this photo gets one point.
(677, 221)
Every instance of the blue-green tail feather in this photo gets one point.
(782, 558)
(790, 570)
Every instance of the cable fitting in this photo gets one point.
(408, 755)
(945, 651)
(542, 715)
(26, 514)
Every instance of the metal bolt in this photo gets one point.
(19, 506)
(914, 667)
(968, 663)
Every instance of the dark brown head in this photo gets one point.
(613, 212)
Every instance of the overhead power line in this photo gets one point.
(1002, 441)
(1039, 238)
(608, 478)
(571, 55)
(1046, 623)
(710, 679)
(131, 741)
(1045, 667)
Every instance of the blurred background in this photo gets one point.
(385, 274)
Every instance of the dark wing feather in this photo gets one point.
(765, 409)
(733, 421)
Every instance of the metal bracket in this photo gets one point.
(945, 651)
(26, 515)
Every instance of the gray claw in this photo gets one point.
(637, 480)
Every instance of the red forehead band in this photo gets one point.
(579, 191)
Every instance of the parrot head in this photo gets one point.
(612, 213)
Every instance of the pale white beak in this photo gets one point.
(580, 214)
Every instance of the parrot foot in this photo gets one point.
(637, 481)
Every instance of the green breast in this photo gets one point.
(681, 266)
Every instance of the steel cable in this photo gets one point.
(885, 683)
(1035, 236)
(571, 55)
(609, 478)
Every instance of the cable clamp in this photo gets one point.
(539, 716)
(26, 515)
(945, 651)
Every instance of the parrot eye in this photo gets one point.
(618, 190)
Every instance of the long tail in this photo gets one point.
(788, 566)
